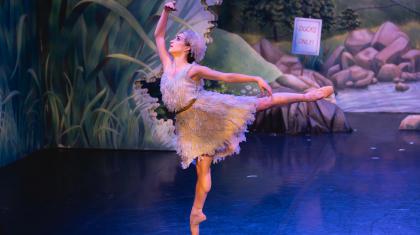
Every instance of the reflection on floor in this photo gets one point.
(365, 182)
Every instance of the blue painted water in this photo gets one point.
(360, 183)
(380, 97)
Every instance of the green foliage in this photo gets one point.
(69, 68)
(95, 50)
(21, 118)
(373, 13)
(88, 76)
(348, 20)
(279, 15)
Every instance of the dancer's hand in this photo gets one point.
(264, 87)
(170, 6)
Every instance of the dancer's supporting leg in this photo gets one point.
(202, 188)
(282, 98)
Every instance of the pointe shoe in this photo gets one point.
(197, 217)
(326, 91)
(320, 93)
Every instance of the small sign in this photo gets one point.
(306, 36)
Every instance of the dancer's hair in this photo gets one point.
(197, 44)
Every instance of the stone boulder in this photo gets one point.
(366, 81)
(290, 64)
(268, 51)
(321, 80)
(400, 86)
(365, 58)
(411, 122)
(347, 60)
(358, 73)
(388, 72)
(282, 67)
(387, 33)
(405, 67)
(413, 56)
(308, 78)
(358, 40)
(361, 77)
(397, 80)
(333, 59)
(392, 52)
(288, 60)
(333, 70)
(355, 76)
(296, 69)
(301, 117)
(410, 77)
(349, 83)
(339, 79)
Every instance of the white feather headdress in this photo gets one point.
(197, 44)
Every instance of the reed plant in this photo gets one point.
(21, 118)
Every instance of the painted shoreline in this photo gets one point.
(380, 97)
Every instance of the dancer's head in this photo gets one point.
(189, 44)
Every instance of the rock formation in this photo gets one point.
(367, 57)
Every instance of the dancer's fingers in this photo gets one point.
(171, 5)
(262, 89)
(270, 92)
(268, 89)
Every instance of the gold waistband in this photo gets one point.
(186, 107)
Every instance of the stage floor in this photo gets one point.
(365, 182)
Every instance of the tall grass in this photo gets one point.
(67, 67)
(21, 119)
(87, 85)
(88, 72)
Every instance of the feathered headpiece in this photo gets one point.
(197, 44)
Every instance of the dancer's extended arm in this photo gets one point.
(160, 34)
(205, 72)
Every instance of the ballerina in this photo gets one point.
(209, 125)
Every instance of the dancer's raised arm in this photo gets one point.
(160, 34)
(205, 72)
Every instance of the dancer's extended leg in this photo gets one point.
(202, 188)
(282, 98)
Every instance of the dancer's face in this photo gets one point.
(178, 45)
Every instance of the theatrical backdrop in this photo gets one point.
(84, 74)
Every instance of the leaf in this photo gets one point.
(106, 129)
(130, 59)
(69, 129)
(90, 105)
(36, 79)
(122, 12)
(9, 97)
(110, 113)
(19, 42)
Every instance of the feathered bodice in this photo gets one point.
(178, 90)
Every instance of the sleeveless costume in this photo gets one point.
(213, 124)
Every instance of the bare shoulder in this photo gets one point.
(196, 71)
(209, 73)
(201, 70)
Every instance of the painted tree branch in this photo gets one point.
(375, 7)
(405, 7)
